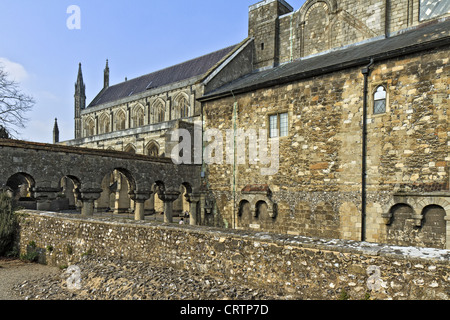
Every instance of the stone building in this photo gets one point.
(352, 95)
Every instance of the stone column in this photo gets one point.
(44, 197)
(193, 200)
(447, 236)
(169, 197)
(88, 197)
(139, 198)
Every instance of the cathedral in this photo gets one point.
(351, 97)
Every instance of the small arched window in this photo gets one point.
(379, 100)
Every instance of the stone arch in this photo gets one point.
(433, 232)
(137, 116)
(89, 127)
(316, 31)
(260, 208)
(130, 148)
(104, 124)
(70, 191)
(152, 149)
(331, 4)
(120, 120)
(21, 186)
(117, 186)
(158, 111)
(439, 201)
(158, 188)
(244, 212)
(399, 230)
(182, 106)
(181, 205)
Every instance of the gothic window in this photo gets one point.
(138, 117)
(278, 125)
(120, 120)
(104, 124)
(153, 149)
(183, 107)
(89, 127)
(379, 100)
(160, 113)
(130, 149)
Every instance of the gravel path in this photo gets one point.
(15, 272)
(101, 279)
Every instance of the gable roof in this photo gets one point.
(173, 74)
(424, 37)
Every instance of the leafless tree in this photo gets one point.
(13, 106)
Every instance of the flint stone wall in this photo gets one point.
(293, 266)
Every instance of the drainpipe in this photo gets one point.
(366, 72)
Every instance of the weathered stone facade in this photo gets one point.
(283, 35)
(294, 266)
(318, 185)
(43, 174)
(358, 93)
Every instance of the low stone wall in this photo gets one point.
(298, 267)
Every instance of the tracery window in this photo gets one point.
(89, 127)
(138, 117)
(160, 113)
(104, 124)
(182, 107)
(120, 120)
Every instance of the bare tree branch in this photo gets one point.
(13, 106)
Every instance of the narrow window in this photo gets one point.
(274, 126)
(262, 46)
(283, 125)
(379, 101)
(278, 125)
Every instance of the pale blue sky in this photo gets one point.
(137, 36)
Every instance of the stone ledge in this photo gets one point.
(342, 246)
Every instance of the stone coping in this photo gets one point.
(343, 246)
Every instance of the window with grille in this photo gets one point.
(379, 100)
(278, 125)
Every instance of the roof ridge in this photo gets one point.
(174, 65)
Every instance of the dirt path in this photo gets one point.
(14, 272)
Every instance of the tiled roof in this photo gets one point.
(415, 39)
(173, 74)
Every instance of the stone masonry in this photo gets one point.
(299, 267)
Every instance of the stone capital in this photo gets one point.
(140, 196)
(90, 194)
(169, 196)
(193, 197)
(45, 192)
